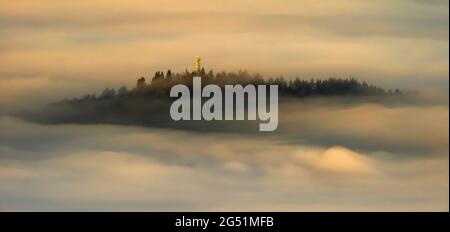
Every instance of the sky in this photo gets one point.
(69, 48)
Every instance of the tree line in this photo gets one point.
(161, 83)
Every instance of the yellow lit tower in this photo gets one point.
(198, 65)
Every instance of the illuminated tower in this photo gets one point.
(198, 65)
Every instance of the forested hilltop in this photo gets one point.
(161, 83)
(148, 103)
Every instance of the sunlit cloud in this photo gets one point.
(114, 43)
(105, 167)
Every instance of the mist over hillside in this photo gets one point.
(148, 104)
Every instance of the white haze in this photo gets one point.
(105, 167)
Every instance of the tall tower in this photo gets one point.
(198, 65)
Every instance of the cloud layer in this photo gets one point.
(71, 48)
(396, 162)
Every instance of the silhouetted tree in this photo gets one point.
(108, 93)
(122, 91)
(160, 86)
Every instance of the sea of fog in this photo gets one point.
(324, 156)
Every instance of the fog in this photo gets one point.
(328, 154)
(367, 157)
